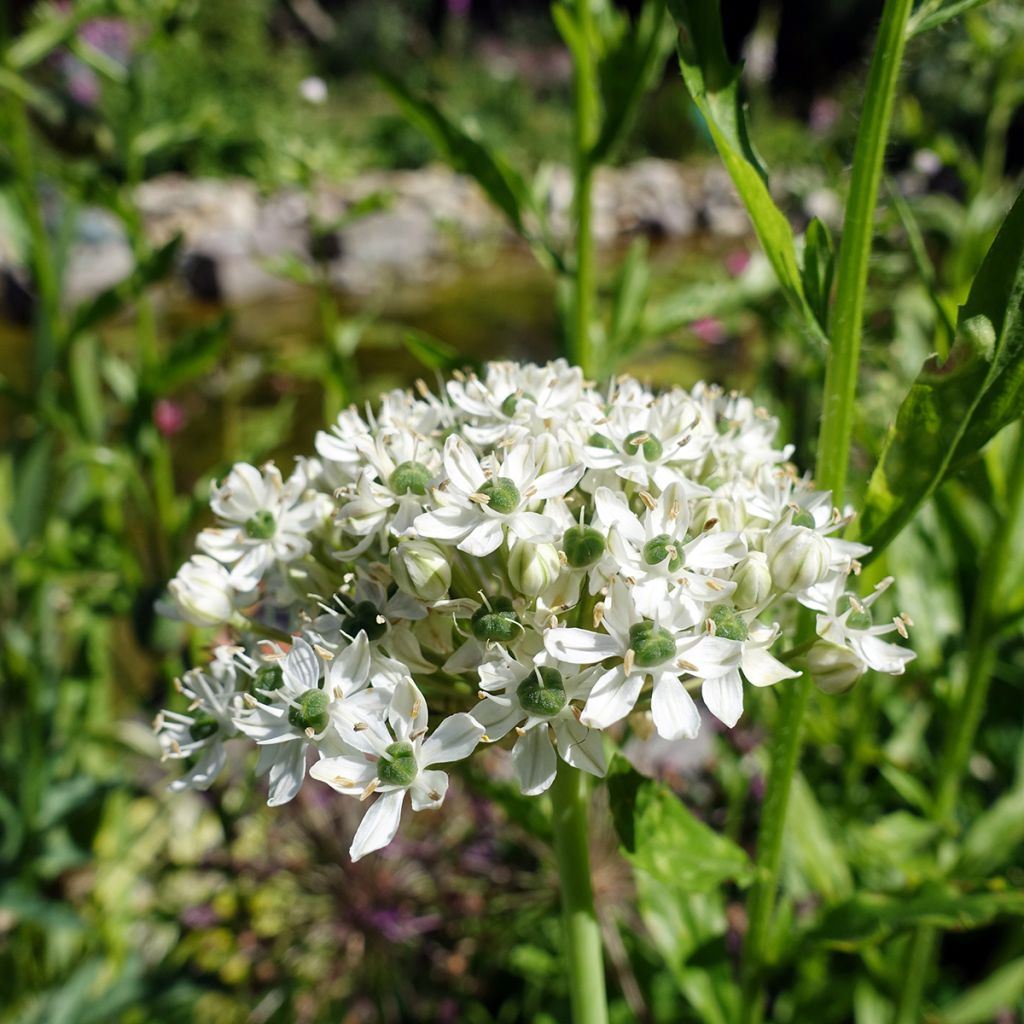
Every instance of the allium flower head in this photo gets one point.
(542, 559)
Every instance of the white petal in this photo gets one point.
(345, 773)
(449, 523)
(557, 482)
(580, 646)
(579, 746)
(762, 669)
(455, 738)
(612, 698)
(533, 758)
(497, 718)
(724, 697)
(301, 667)
(287, 773)
(407, 712)
(351, 667)
(674, 710)
(428, 790)
(462, 466)
(484, 539)
(532, 526)
(379, 824)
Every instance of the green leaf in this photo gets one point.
(629, 296)
(810, 850)
(155, 267)
(31, 486)
(932, 15)
(819, 267)
(52, 31)
(662, 838)
(431, 352)
(714, 83)
(503, 185)
(1001, 991)
(954, 408)
(868, 918)
(192, 354)
(994, 836)
(626, 72)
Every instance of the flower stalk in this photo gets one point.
(584, 962)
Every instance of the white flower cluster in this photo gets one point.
(533, 555)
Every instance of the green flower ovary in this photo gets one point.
(729, 624)
(640, 440)
(498, 623)
(542, 692)
(601, 441)
(203, 726)
(508, 406)
(410, 477)
(364, 616)
(268, 677)
(398, 765)
(261, 526)
(657, 549)
(804, 519)
(651, 645)
(583, 546)
(310, 711)
(503, 494)
(856, 619)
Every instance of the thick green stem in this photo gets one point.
(855, 250)
(785, 756)
(586, 123)
(584, 962)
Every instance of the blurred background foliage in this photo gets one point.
(119, 902)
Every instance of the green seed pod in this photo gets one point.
(364, 616)
(652, 645)
(856, 619)
(600, 441)
(310, 711)
(203, 726)
(398, 765)
(640, 440)
(268, 677)
(542, 692)
(657, 549)
(261, 526)
(410, 477)
(729, 624)
(503, 494)
(498, 623)
(583, 546)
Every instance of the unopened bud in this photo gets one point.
(421, 569)
(202, 592)
(753, 581)
(834, 669)
(728, 513)
(798, 558)
(532, 568)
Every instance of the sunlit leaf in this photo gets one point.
(955, 407)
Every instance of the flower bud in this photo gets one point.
(532, 568)
(798, 558)
(753, 581)
(834, 669)
(202, 592)
(727, 512)
(421, 569)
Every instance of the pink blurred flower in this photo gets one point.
(169, 417)
(709, 329)
(738, 261)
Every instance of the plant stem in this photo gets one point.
(832, 458)
(582, 350)
(569, 795)
(966, 715)
(785, 756)
(855, 250)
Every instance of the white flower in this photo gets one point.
(478, 502)
(536, 699)
(264, 520)
(394, 759)
(203, 593)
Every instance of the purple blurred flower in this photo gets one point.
(169, 417)
(398, 926)
(736, 262)
(824, 114)
(459, 8)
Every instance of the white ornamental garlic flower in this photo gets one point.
(569, 556)
(394, 756)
